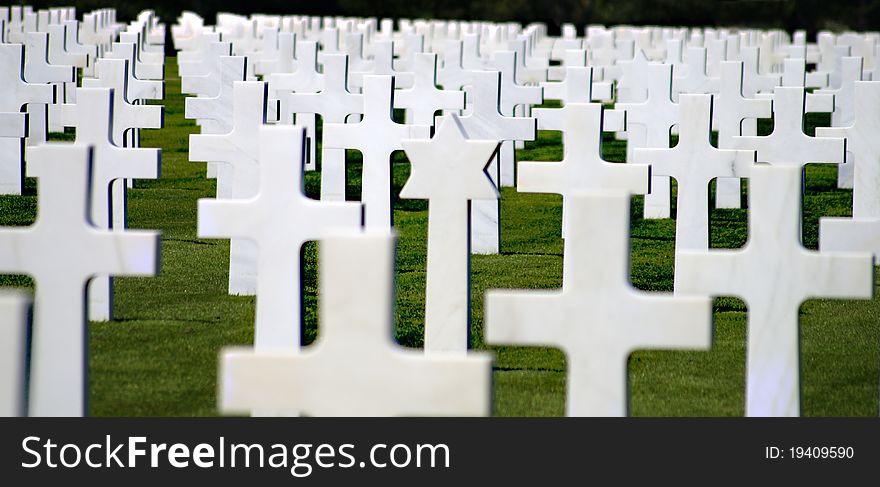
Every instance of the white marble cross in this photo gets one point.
(486, 122)
(137, 88)
(61, 269)
(788, 144)
(845, 109)
(282, 59)
(582, 167)
(694, 162)
(734, 115)
(696, 81)
(38, 70)
(383, 64)
(202, 78)
(576, 87)
(93, 119)
(655, 118)
(355, 368)
(632, 87)
(598, 319)
(376, 136)
(239, 150)
(127, 119)
(279, 219)
(58, 55)
(862, 231)
(15, 95)
(453, 75)
(358, 64)
(449, 171)
(513, 96)
(114, 73)
(774, 274)
(14, 310)
(334, 103)
(215, 112)
(424, 98)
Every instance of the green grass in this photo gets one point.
(160, 356)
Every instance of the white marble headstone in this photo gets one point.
(355, 368)
(61, 269)
(774, 274)
(376, 136)
(582, 167)
(598, 319)
(239, 151)
(449, 171)
(485, 121)
(14, 310)
(862, 231)
(694, 162)
(279, 219)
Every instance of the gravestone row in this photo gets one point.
(258, 136)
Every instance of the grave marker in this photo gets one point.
(61, 271)
(14, 311)
(449, 171)
(582, 166)
(861, 232)
(597, 318)
(774, 249)
(376, 136)
(656, 116)
(279, 219)
(240, 150)
(487, 123)
(355, 368)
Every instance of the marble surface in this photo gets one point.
(486, 122)
(845, 109)
(598, 319)
(59, 347)
(513, 96)
(279, 219)
(582, 167)
(731, 109)
(862, 231)
(694, 163)
(239, 150)
(424, 98)
(15, 95)
(334, 103)
(788, 144)
(449, 171)
(14, 309)
(376, 136)
(655, 116)
(109, 163)
(774, 274)
(355, 368)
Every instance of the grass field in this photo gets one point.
(160, 356)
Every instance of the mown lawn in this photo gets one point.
(160, 356)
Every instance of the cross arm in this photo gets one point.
(841, 275)
(209, 147)
(525, 318)
(663, 321)
(712, 273)
(132, 253)
(227, 218)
